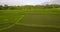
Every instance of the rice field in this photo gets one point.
(34, 20)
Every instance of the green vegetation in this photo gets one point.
(6, 7)
(29, 19)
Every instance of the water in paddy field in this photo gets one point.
(41, 19)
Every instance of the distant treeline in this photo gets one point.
(6, 7)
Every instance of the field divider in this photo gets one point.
(19, 19)
(12, 24)
(35, 25)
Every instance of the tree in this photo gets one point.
(6, 7)
(1, 7)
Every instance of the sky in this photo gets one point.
(23, 2)
(33, 2)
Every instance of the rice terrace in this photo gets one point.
(29, 18)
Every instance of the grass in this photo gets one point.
(30, 20)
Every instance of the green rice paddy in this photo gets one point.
(34, 20)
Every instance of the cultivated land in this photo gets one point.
(30, 20)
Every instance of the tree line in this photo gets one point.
(6, 7)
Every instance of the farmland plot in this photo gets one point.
(30, 21)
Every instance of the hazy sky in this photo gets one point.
(22, 2)
(33, 2)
